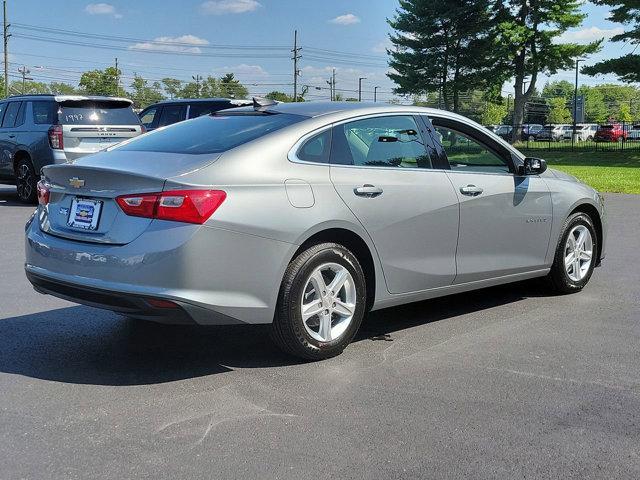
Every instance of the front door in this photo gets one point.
(381, 169)
(505, 219)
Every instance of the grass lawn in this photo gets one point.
(617, 172)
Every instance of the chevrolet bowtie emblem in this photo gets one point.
(76, 182)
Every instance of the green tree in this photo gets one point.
(561, 88)
(101, 82)
(279, 96)
(526, 44)
(624, 113)
(493, 113)
(144, 94)
(558, 111)
(29, 86)
(61, 88)
(595, 110)
(171, 86)
(230, 87)
(627, 68)
(441, 45)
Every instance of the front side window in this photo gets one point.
(171, 114)
(389, 141)
(148, 117)
(11, 114)
(467, 154)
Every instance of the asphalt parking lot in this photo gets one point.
(502, 383)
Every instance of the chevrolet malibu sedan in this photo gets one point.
(306, 216)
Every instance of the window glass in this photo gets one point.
(11, 114)
(148, 117)
(316, 149)
(210, 133)
(171, 114)
(467, 154)
(20, 117)
(44, 113)
(92, 112)
(204, 108)
(3, 107)
(390, 141)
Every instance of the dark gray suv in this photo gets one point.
(39, 130)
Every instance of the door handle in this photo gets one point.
(368, 191)
(12, 135)
(471, 190)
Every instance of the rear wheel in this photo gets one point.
(26, 181)
(575, 255)
(321, 302)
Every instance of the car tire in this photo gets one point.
(26, 181)
(296, 334)
(562, 278)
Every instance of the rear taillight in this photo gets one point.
(55, 137)
(190, 206)
(43, 193)
(143, 129)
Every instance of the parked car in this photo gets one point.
(584, 132)
(169, 112)
(530, 130)
(504, 132)
(613, 132)
(306, 216)
(553, 133)
(39, 130)
(634, 133)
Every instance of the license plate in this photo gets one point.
(85, 213)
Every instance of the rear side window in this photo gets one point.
(210, 133)
(45, 113)
(389, 141)
(11, 114)
(20, 117)
(172, 114)
(316, 149)
(203, 108)
(90, 112)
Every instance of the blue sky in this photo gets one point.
(357, 29)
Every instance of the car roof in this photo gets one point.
(63, 98)
(240, 101)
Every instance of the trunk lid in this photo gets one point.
(97, 180)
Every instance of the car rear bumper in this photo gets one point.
(214, 276)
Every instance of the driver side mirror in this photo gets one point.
(532, 166)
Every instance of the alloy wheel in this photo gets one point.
(328, 302)
(24, 181)
(578, 253)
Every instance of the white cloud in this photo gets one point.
(102, 9)
(346, 19)
(243, 69)
(382, 46)
(589, 34)
(183, 43)
(222, 7)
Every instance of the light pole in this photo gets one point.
(575, 102)
(360, 88)
(375, 94)
(24, 71)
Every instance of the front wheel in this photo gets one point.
(575, 255)
(321, 302)
(26, 181)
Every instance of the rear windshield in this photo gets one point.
(211, 133)
(85, 112)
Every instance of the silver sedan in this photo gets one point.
(306, 216)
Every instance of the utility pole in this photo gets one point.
(375, 93)
(360, 88)
(197, 79)
(296, 56)
(6, 53)
(333, 80)
(117, 78)
(24, 71)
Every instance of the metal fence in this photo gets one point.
(616, 136)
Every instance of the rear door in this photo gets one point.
(172, 113)
(382, 170)
(505, 219)
(89, 126)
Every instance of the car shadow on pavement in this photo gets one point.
(9, 198)
(88, 346)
